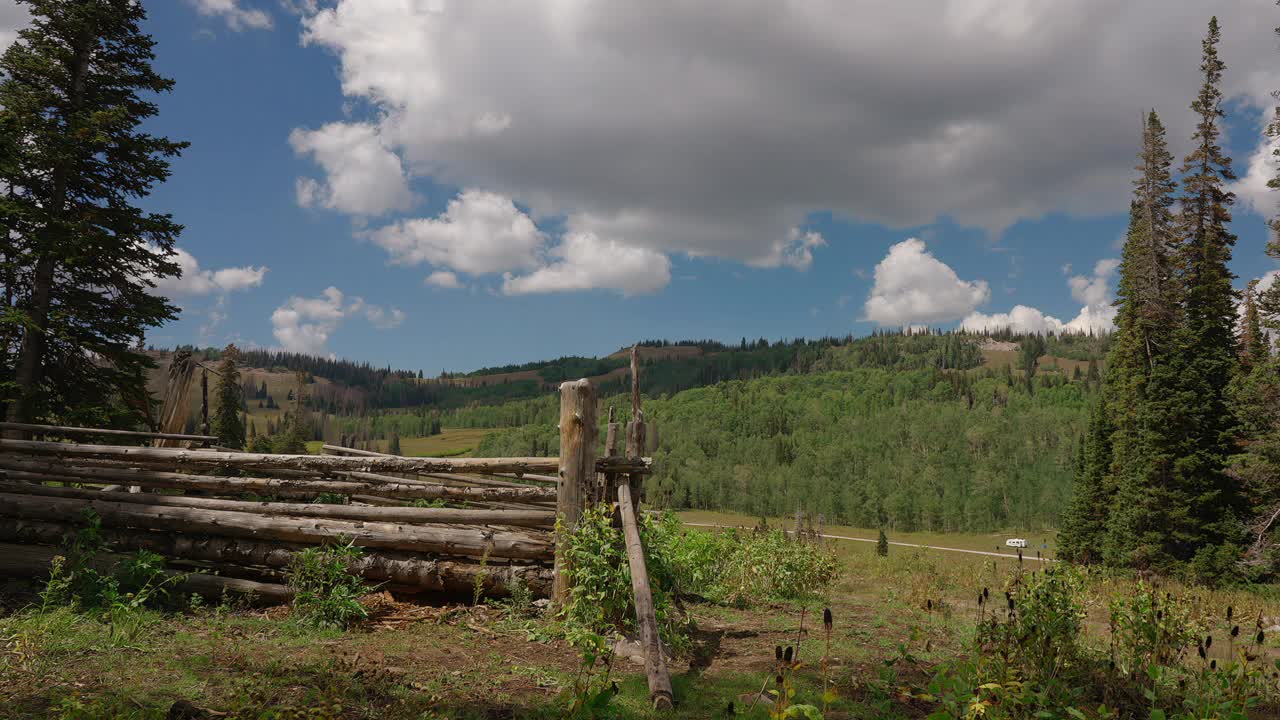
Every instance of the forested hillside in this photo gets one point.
(914, 449)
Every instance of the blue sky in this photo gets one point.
(675, 173)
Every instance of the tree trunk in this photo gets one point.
(266, 486)
(410, 515)
(33, 561)
(404, 569)
(441, 539)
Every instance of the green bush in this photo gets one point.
(600, 597)
(325, 594)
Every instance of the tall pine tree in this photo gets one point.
(1084, 522)
(1138, 366)
(227, 425)
(1206, 499)
(82, 255)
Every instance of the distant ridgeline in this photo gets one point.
(668, 368)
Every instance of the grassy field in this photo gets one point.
(451, 442)
(895, 619)
(1042, 540)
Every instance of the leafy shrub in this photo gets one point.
(748, 568)
(325, 594)
(600, 597)
(76, 580)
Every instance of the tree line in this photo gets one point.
(1179, 468)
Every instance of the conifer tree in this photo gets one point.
(1205, 499)
(1084, 522)
(393, 444)
(882, 544)
(1253, 342)
(81, 255)
(1148, 301)
(227, 424)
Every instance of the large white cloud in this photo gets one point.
(198, 281)
(714, 129)
(303, 325)
(584, 261)
(914, 287)
(363, 176)
(234, 14)
(479, 232)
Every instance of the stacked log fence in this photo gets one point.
(234, 520)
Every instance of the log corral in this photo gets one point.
(233, 521)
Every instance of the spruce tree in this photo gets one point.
(882, 544)
(1253, 342)
(227, 424)
(1084, 522)
(393, 443)
(1137, 375)
(1204, 497)
(81, 255)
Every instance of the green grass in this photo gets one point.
(451, 442)
(987, 542)
(461, 662)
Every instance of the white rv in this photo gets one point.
(1016, 542)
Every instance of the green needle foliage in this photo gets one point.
(227, 424)
(79, 271)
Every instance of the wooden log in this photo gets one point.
(441, 539)
(612, 448)
(324, 463)
(67, 431)
(204, 400)
(412, 515)
(34, 560)
(268, 486)
(529, 477)
(655, 666)
(406, 569)
(635, 445)
(320, 463)
(577, 467)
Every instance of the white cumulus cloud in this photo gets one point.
(198, 281)
(479, 232)
(234, 14)
(914, 287)
(584, 261)
(1097, 316)
(443, 279)
(363, 176)
(304, 325)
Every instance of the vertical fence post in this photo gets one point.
(635, 428)
(612, 448)
(578, 433)
(204, 401)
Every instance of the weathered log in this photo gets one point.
(320, 463)
(577, 468)
(266, 486)
(413, 515)
(608, 482)
(441, 539)
(34, 561)
(326, 463)
(67, 431)
(655, 667)
(404, 569)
